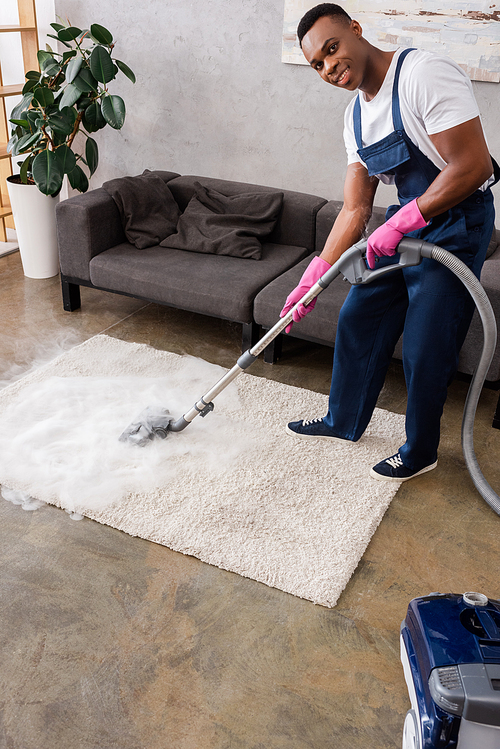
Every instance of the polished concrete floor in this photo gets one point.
(114, 642)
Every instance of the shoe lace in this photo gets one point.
(395, 461)
(306, 422)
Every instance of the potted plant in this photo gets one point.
(66, 98)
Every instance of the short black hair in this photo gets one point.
(319, 11)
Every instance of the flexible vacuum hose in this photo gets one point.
(487, 316)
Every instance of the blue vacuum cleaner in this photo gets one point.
(450, 650)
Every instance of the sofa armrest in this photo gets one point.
(87, 225)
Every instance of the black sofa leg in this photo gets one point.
(496, 418)
(250, 335)
(272, 352)
(71, 295)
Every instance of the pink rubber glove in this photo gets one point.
(386, 238)
(316, 268)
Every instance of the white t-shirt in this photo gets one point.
(435, 94)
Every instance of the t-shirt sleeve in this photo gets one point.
(440, 94)
(349, 139)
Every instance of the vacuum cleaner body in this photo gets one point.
(450, 650)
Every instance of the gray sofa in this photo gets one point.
(94, 251)
(320, 326)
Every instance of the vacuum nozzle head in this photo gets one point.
(153, 422)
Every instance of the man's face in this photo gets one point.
(334, 49)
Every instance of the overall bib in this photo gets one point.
(425, 303)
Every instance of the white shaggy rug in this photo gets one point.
(233, 489)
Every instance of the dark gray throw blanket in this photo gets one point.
(226, 225)
(147, 208)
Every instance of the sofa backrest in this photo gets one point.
(297, 222)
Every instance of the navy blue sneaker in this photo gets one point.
(312, 429)
(393, 469)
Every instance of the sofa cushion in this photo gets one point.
(147, 208)
(226, 225)
(217, 285)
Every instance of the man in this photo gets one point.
(414, 123)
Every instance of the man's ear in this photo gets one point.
(356, 28)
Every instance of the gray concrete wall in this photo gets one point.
(213, 98)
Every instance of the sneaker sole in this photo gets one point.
(314, 436)
(379, 477)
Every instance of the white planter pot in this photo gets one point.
(35, 219)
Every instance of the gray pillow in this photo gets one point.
(147, 208)
(226, 225)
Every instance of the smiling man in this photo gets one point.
(415, 124)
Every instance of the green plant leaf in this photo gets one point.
(26, 142)
(78, 179)
(68, 55)
(70, 96)
(59, 123)
(47, 172)
(83, 103)
(100, 34)
(29, 86)
(52, 70)
(25, 168)
(85, 81)
(12, 142)
(113, 111)
(22, 106)
(33, 75)
(70, 113)
(69, 34)
(101, 65)
(59, 40)
(57, 26)
(92, 118)
(43, 96)
(43, 58)
(66, 158)
(22, 123)
(91, 155)
(73, 68)
(58, 139)
(125, 69)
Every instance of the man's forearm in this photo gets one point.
(346, 231)
(449, 188)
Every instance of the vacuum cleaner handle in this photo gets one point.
(353, 265)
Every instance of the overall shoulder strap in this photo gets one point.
(356, 115)
(397, 122)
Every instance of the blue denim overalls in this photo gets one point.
(426, 303)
